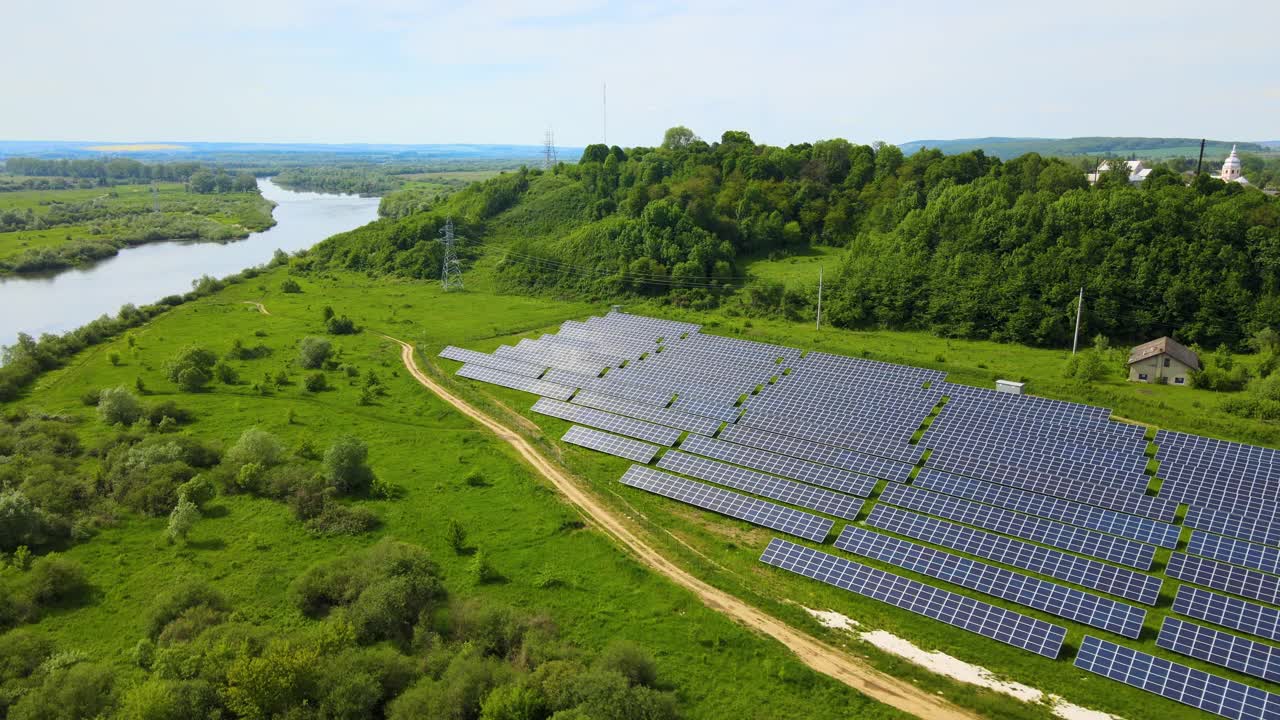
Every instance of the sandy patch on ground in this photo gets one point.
(956, 669)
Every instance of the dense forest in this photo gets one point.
(965, 245)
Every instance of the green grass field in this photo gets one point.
(251, 548)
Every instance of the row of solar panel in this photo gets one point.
(817, 452)
(1047, 532)
(515, 367)
(642, 411)
(515, 382)
(870, 445)
(758, 483)
(1048, 442)
(608, 421)
(1015, 462)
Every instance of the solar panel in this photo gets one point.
(722, 411)
(816, 432)
(1254, 529)
(816, 452)
(1229, 612)
(759, 512)
(1237, 552)
(633, 450)
(1049, 597)
(758, 483)
(1111, 579)
(1227, 578)
(945, 606)
(1183, 684)
(1072, 513)
(607, 421)
(661, 416)
(1220, 648)
(515, 382)
(515, 367)
(794, 468)
(1047, 532)
(609, 385)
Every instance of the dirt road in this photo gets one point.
(817, 655)
(261, 308)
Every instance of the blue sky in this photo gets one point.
(503, 72)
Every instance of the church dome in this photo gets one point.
(1233, 160)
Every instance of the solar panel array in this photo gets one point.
(1048, 487)
(1047, 532)
(784, 465)
(607, 421)
(1234, 613)
(1224, 577)
(959, 611)
(1015, 587)
(1214, 646)
(515, 382)
(732, 504)
(1186, 685)
(1111, 579)
(758, 483)
(633, 450)
(1068, 511)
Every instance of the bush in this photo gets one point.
(313, 352)
(21, 522)
(630, 661)
(55, 580)
(480, 570)
(316, 382)
(384, 589)
(255, 446)
(341, 326)
(346, 468)
(157, 413)
(191, 369)
(173, 604)
(182, 519)
(84, 690)
(118, 405)
(457, 536)
(290, 286)
(226, 374)
(337, 519)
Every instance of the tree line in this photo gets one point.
(102, 169)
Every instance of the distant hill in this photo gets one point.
(223, 151)
(1145, 147)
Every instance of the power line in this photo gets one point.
(548, 150)
(451, 271)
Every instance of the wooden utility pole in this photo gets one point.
(1079, 305)
(817, 323)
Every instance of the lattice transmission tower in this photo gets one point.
(451, 272)
(549, 150)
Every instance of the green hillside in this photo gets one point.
(962, 245)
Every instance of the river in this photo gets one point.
(140, 275)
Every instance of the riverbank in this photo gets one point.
(50, 230)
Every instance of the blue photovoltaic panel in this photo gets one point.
(608, 386)
(817, 452)
(1093, 574)
(1237, 552)
(1224, 577)
(1254, 529)
(1072, 513)
(515, 367)
(1015, 587)
(758, 483)
(725, 412)
(1047, 532)
(1186, 685)
(515, 382)
(736, 505)
(642, 411)
(784, 465)
(607, 421)
(1229, 612)
(945, 606)
(633, 450)
(1220, 648)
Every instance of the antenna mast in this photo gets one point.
(451, 272)
(549, 150)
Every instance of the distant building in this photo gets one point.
(1232, 169)
(1163, 360)
(1137, 171)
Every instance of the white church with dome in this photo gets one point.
(1232, 169)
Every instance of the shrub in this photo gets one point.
(118, 405)
(630, 661)
(316, 382)
(187, 595)
(113, 358)
(56, 580)
(345, 466)
(313, 352)
(90, 398)
(255, 446)
(338, 519)
(157, 413)
(341, 326)
(290, 286)
(226, 374)
(84, 690)
(457, 536)
(191, 369)
(21, 521)
(182, 519)
(480, 570)
(198, 490)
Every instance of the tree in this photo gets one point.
(21, 522)
(316, 382)
(192, 368)
(630, 661)
(182, 519)
(118, 405)
(313, 352)
(290, 286)
(341, 325)
(345, 466)
(457, 536)
(678, 137)
(255, 446)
